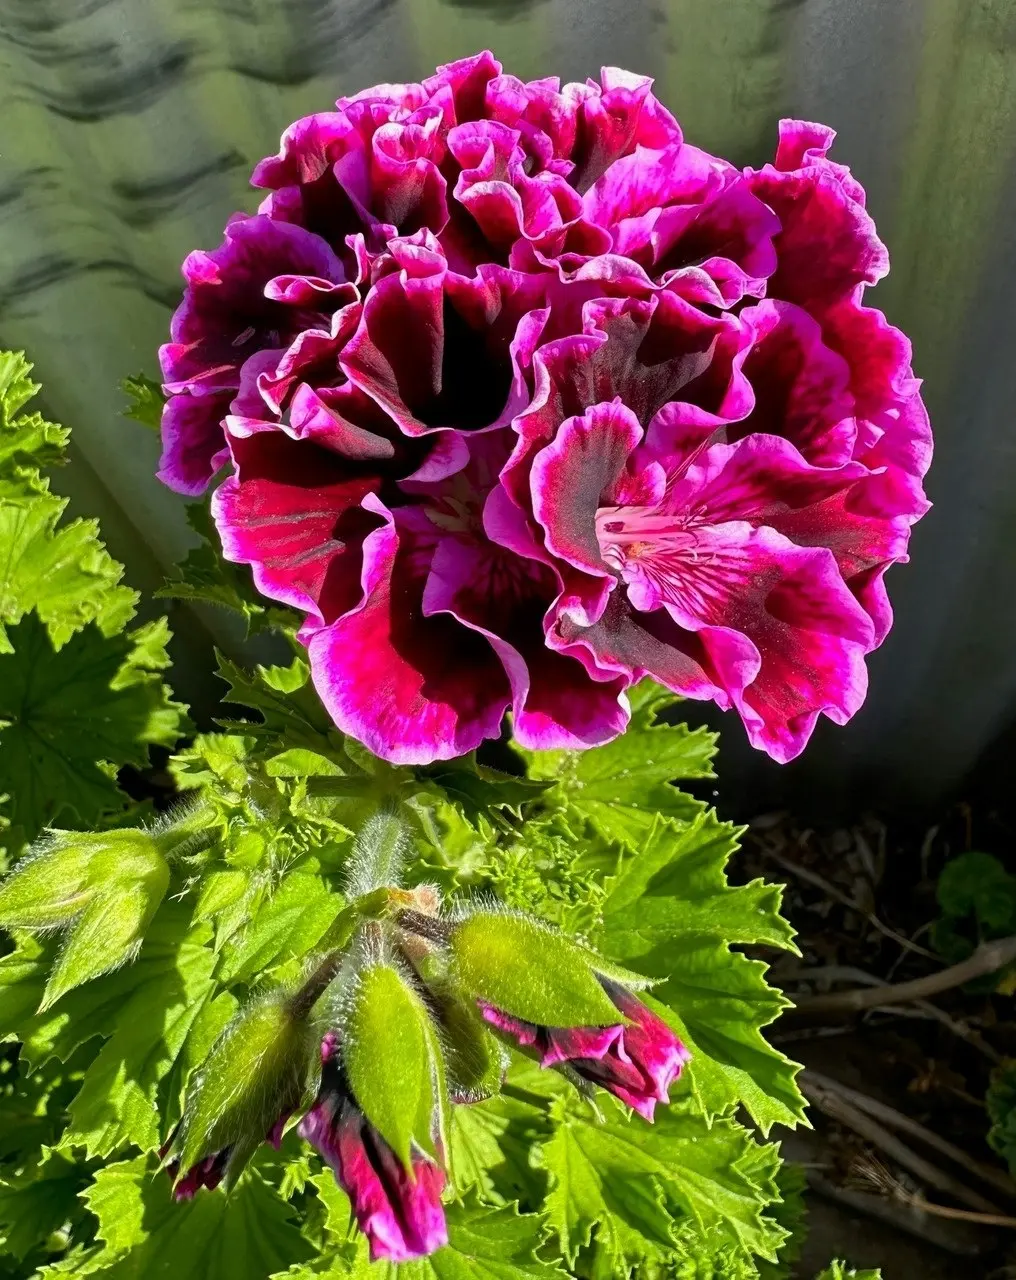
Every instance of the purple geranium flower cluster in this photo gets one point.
(524, 398)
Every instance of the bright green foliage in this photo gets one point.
(284, 699)
(619, 789)
(145, 401)
(1001, 1104)
(483, 1244)
(36, 1203)
(63, 573)
(64, 713)
(840, 1271)
(27, 441)
(791, 1212)
(143, 1235)
(623, 1190)
(578, 863)
(79, 697)
(203, 577)
(671, 915)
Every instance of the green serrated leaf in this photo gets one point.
(791, 1212)
(671, 915)
(205, 577)
(145, 401)
(527, 970)
(97, 699)
(148, 1031)
(633, 1184)
(285, 927)
(286, 702)
(492, 1142)
(27, 440)
(142, 1012)
(245, 1236)
(477, 789)
(35, 1203)
(621, 787)
(64, 574)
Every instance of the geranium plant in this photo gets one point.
(523, 418)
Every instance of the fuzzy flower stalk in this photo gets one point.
(518, 396)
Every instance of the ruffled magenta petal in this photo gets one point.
(411, 688)
(399, 1212)
(193, 442)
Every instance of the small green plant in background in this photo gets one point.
(977, 900)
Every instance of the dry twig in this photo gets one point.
(834, 1105)
(827, 887)
(988, 958)
(897, 1120)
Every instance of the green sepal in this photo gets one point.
(474, 1059)
(50, 887)
(108, 934)
(46, 889)
(611, 969)
(527, 970)
(258, 1070)
(393, 1061)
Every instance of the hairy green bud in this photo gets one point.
(57, 880)
(393, 1060)
(528, 970)
(256, 1075)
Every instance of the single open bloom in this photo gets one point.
(527, 397)
(398, 1210)
(637, 1060)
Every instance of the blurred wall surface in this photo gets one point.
(129, 128)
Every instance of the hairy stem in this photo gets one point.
(303, 1000)
(424, 926)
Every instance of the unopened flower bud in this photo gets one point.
(254, 1078)
(105, 887)
(393, 1061)
(528, 970)
(55, 882)
(509, 964)
(397, 1203)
